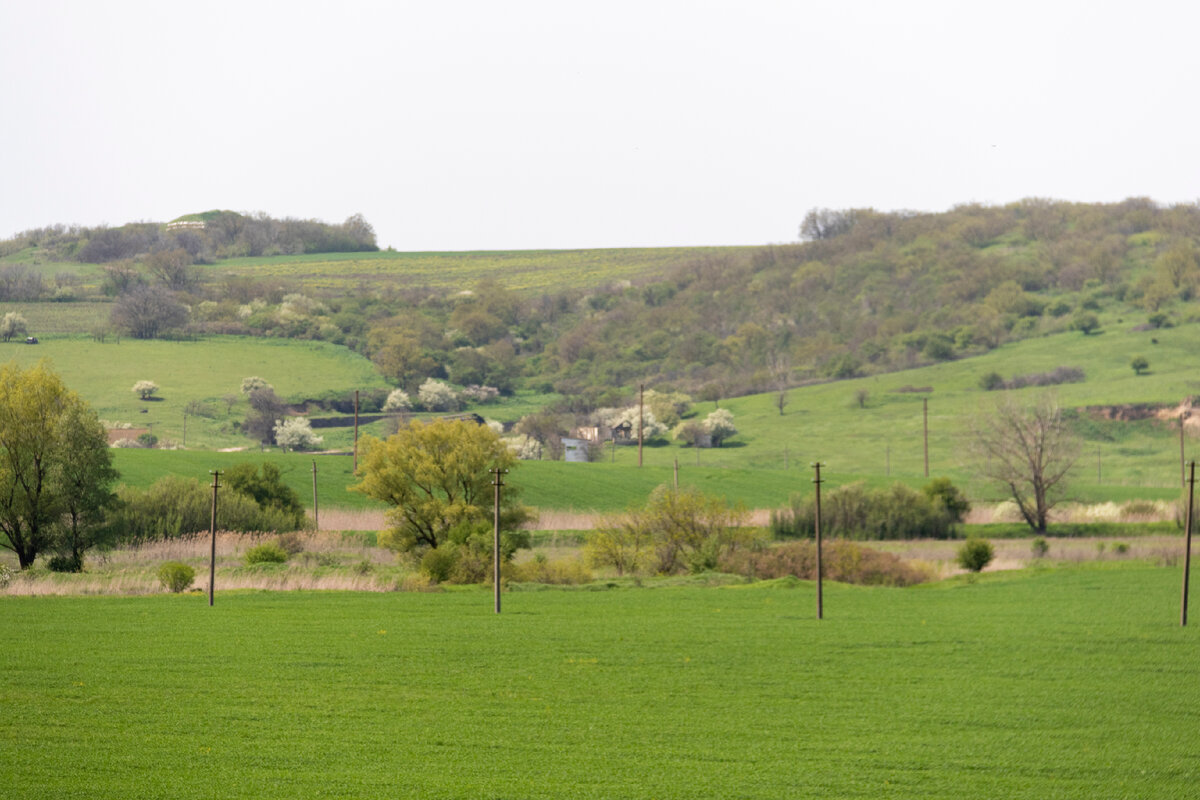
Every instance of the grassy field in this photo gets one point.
(823, 422)
(769, 458)
(1069, 683)
(202, 370)
(519, 270)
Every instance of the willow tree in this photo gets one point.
(437, 478)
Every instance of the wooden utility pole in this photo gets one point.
(925, 404)
(817, 482)
(496, 482)
(212, 530)
(316, 518)
(641, 418)
(356, 430)
(677, 474)
(1187, 552)
(185, 429)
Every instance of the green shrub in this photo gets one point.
(975, 554)
(175, 506)
(856, 512)
(268, 553)
(176, 576)
(63, 563)
(264, 484)
(991, 382)
(147, 440)
(438, 563)
(1120, 548)
(1039, 547)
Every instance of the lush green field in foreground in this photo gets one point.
(1060, 683)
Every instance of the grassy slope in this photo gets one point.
(821, 422)
(1032, 684)
(104, 375)
(519, 270)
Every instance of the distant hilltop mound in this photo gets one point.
(206, 237)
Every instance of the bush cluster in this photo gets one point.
(175, 506)
(994, 381)
(679, 530)
(856, 512)
(558, 571)
(847, 562)
(266, 553)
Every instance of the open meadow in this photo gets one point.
(1068, 682)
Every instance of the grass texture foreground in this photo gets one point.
(1073, 682)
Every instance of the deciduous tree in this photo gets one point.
(435, 476)
(55, 465)
(1027, 450)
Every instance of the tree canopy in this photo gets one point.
(435, 476)
(55, 466)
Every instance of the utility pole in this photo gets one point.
(677, 474)
(641, 418)
(316, 518)
(496, 482)
(1187, 553)
(185, 429)
(817, 482)
(212, 530)
(925, 404)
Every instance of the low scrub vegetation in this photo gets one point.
(841, 560)
(857, 512)
(678, 531)
(993, 380)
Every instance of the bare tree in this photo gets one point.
(780, 364)
(147, 311)
(1028, 450)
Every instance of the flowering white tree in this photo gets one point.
(397, 400)
(437, 396)
(296, 433)
(651, 427)
(253, 383)
(719, 425)
(145, 389)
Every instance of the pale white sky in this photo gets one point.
(531, 124)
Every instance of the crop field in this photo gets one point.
(1068, 682)
(520, 270)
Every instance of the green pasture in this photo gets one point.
(56, 319)
(1067, 683)
(519, 270)
(884, 440)
(203, 370)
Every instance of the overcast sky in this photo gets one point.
(523, 124)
